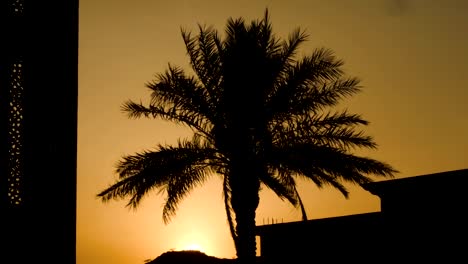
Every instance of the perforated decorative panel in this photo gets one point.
(26, 133)
(15, 131)
(14, 107)
(17, 6)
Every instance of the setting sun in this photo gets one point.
(196, 247)
(196, 242)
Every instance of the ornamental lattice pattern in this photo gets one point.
(17, 6)
(15, 109)
(15, 134)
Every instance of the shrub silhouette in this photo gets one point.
(188, 257)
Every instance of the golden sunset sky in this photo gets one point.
(412, 57)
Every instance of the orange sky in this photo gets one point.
(411, 55)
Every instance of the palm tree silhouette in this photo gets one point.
(259, 116)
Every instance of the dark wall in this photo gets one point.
(426, 214)
(423, 220)
(329, 240)
(38, 100)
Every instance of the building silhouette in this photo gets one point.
(422, 219)
(38, 135)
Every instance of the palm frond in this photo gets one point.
(234, 27)
(133, 187)
(325, 165)
(309, 172)
(329, 94)
(336, 119)
(175, 170)
(203, 51)
(227, 193)
(333, 129)
(270, 44)
(290, 47)
(175, 90)
(181, 184)
(312, 83)
(343, 138)
(301, 204)
(284, 186)
(189, 118)
(326, 66)
(176, 98)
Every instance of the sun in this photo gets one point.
(194, 241)
(193, 247)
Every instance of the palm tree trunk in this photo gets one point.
(245, 200)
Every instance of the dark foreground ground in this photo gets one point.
(189, 257)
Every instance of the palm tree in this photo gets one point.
(260, 116)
